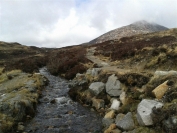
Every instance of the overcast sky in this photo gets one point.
(59, 23)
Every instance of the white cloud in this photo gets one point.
(58, 23)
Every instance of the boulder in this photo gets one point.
(144, 111)
(160, 90)
(113, 86)
(110, 114)
(98, 103)
(97, 87)
(115, 104)
(93, 72)
(125, 123)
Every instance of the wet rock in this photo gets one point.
(93, 72)
(160, 90)
(110, 114)
(107, 122)
(126, 122)
(113, 86)
(144, 111)
(115, 104)
(170, 124)
(97, 87)
(98, 103)
(61, 100)
(53, 101)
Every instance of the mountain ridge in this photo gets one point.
(139, 27)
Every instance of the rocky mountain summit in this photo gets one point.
(139, 27)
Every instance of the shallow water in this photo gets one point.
(63, 116)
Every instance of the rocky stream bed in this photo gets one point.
(57, 113)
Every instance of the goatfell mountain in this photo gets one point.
(139, 27)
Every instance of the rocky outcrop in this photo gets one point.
(19, 97)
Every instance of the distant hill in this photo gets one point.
(139, 27)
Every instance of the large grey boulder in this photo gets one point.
(97, 87)
(113, 86)
(144, 111)
(125, 122)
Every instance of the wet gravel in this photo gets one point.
(57, 113)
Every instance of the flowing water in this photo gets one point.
(64, 115)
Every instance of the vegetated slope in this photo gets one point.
(17, 56)
(146, 51)
(152, 51)
(68, 61)
(140, 27)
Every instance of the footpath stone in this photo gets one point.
(125, 123)
(113, 86)
(97, 87)
(160, 90)
(144, 111)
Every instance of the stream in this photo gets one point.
(62, 115)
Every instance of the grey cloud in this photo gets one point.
(59, 23)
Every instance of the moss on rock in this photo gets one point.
(18, 97)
